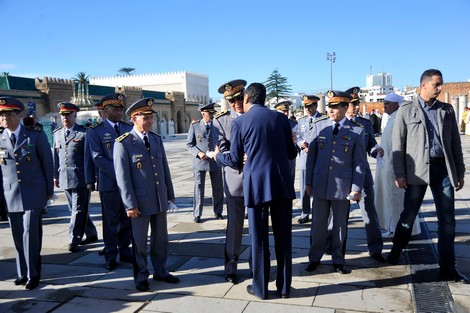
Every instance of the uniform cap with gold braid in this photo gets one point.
(335, 97)
(207, 108)
(10, 104)
(310, 99)
(354, 92)
(232, 88)
(66, 108)
(141, 107)
(114, 99)
(283, 106)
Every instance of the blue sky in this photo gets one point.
(238, 39)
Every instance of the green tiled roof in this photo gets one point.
(159, 95)
(97, 90)
(17, 83)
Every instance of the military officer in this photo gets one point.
(101, 137)
(233, 177)
(202, 139)
(27, 173)
(370, 217)
(304, 137)
(69, 174)
(284, 107)
(144, 181)
(334, 176)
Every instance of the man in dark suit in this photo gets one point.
(335, 174)
(201, 142)
(144, 181)
(265, 137)
(370, 218)
(101, 137)
(69, 174)
(284, 107)
(27, 173)
(233, 177)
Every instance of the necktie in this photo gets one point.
(116, 128)
(67, 133)
(310, 122)
(13, 139)
(207, 127)
(147, 143)
(336, 129)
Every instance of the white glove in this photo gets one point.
(172, 207)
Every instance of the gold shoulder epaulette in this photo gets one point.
(36, 128)
(1, 129)
(320, 119)
(121, 138)
(130, 124)
(95, 125)
(58, 128)
(221, 113)
(194, 122)
(357, 123)
(152, 132)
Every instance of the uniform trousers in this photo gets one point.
(217, 191)
(158, 245)
(319, 229)
(371, 221)
(281, 220)
(116, 226)
(26, 228)
(234, 233)
(306, 203)
(80, 222)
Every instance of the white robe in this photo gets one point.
(171, 129)
(163, 128)
(388, 197)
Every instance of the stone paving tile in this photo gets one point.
(118, 294)
(256, 307)
(98, 305)
(177, 304)
(29, 305)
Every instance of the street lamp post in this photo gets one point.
(332, 58)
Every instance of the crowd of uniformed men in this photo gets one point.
(249, 152)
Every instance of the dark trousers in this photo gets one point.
(443, 194)
(80, 222)
(281, 219)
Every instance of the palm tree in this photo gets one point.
(126, 70)
(5, 74)
(82, 78)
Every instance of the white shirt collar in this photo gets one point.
(16, 132)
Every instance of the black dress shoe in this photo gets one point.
(393, 257)
(304, 220)
(453, 275)
(249, 289)
(32, 283)
(73, 247)
(21, 280)
(111, 265)
(89, 240)
(101, 252)
(283, 295)
(142, 286)
(342, 269)
(197, 219)
(125, 258)
(246, 216)
(167, 279)
(218, 216)
(377, 256)
(311, 266)
(231, 278)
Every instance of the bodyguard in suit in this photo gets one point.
(144, 181)
(304, 137)
(335, 174)
(69, 174)
(370, 218)
(27, 173)
(265, 137)
(202, 139)
(284, 107)
(233, 93)
(101, 137)
(427, 151)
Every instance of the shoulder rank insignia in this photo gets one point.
(130, 124)
(1, 129)
(357, 123)
(95, 125)
(57, 129)
(121, 138)
(34, 127)
(194, 122)
(154, 133)
(316, 120)
(221, 113)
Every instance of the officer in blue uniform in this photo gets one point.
(144, 181)
(334, 176)
(370, 218)
(202, 139)
(284, 107)
(101, 137)
(27, 173)
(304, 137)
(265, 137)
(233, 93)
(69, 174)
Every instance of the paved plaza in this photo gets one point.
(79, 282)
